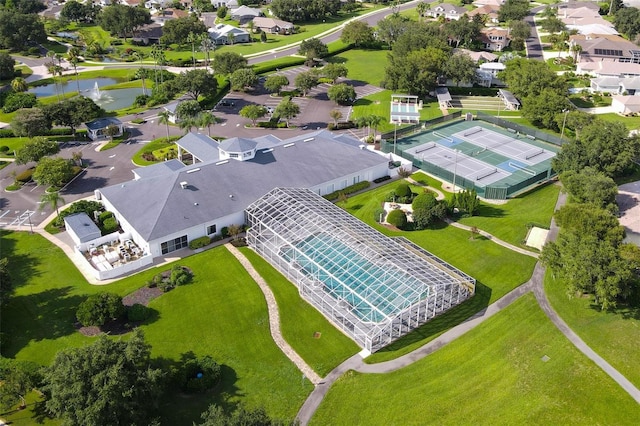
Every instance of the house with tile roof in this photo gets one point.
(228, 34)
(494, 39)
(490, 11)
(603, 47)
(273, 26)
(625, 105)
(170, 203)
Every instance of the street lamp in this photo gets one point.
(564, 122)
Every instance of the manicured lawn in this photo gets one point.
(299, 321)
(494, 374)
(496, 269)
(509, 221)
(631, 122)
(613, 335)
(155, 145)
(364, 65)
(221, 313)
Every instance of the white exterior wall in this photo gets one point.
(342, 182)
(126, 227)
(197, 231)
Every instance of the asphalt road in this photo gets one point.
(534, 48)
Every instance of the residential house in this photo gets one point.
(244, 14)
(494, 39)
(228, 34)
(629, 86)
(165, 208)
(96, 128)
(229, 4)
(490, 11)
(586, 20)
(208, 19)
(478, 57)
(273, 26)
(480, 3)
(148, 34)
(449, 11)
(603, 47)
(605, 84)
(625, 105)
(487, 74)
(608, 69)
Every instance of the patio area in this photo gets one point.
(113, 254)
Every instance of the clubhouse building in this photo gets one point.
(169, 204)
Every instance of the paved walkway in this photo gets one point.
(274, 317)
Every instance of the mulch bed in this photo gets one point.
(142, 296)
(113, 328)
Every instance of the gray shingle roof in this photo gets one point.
(158, 206)
(102, 123)
(82, 226)
(201, 146)
(158, 169)
(238, 145)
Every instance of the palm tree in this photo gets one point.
(51, 67)
(576, 49)
(335, 115)
(74, 59)
(193, 38)
(362, 122)
(52, 199)
(19, 84)
(206, 45)
(206, 119)
(77, 157)
(374, 122)
(163, 118)
(187, 123)
(111, 131)
(59, 69)
(139, 56)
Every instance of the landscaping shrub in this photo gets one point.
(104, 216)
(403, 190)
(100, 308)
(137, 313)
(82, 206)
(424, 201)
(6, 133)
(381, 179)
(179, 275)
(16, 101)
(109, 225)
(165, 286)
(224, 232)
(141, 100)
(25, 176)
(397, 218)
(4, 148)
(379, 215)
(199, 242)
(199, 374)
(348, 190)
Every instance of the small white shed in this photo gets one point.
(81, 228)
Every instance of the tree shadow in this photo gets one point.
(48, 315)
(489, 210)
(85, 184)
(178, 407)
(457, 315)
(22, 267)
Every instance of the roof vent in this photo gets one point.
(219, 163)
(184, 184)
(194, 170)
(308, 140)
(288, 144)
(267, 150)
(230, 195)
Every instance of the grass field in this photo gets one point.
(497, 270)
(299, 322)
(613, 335)
(364, 65)
(509, 221)
(221, 313)
(494, 374)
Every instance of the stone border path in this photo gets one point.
(274, 317)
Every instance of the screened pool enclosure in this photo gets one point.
(375, 288)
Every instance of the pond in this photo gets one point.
(108, 99)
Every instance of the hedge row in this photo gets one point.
(348, 190)
(381, 179)
(199, 242)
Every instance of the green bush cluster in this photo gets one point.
(402, 194)
(397, 218)
(100, 308)
(82, 206)
(109, 225)
(25, 176)
(199, 242)
(199, 374)
(348, 190)
(168, 280)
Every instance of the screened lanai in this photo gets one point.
(375, 288)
